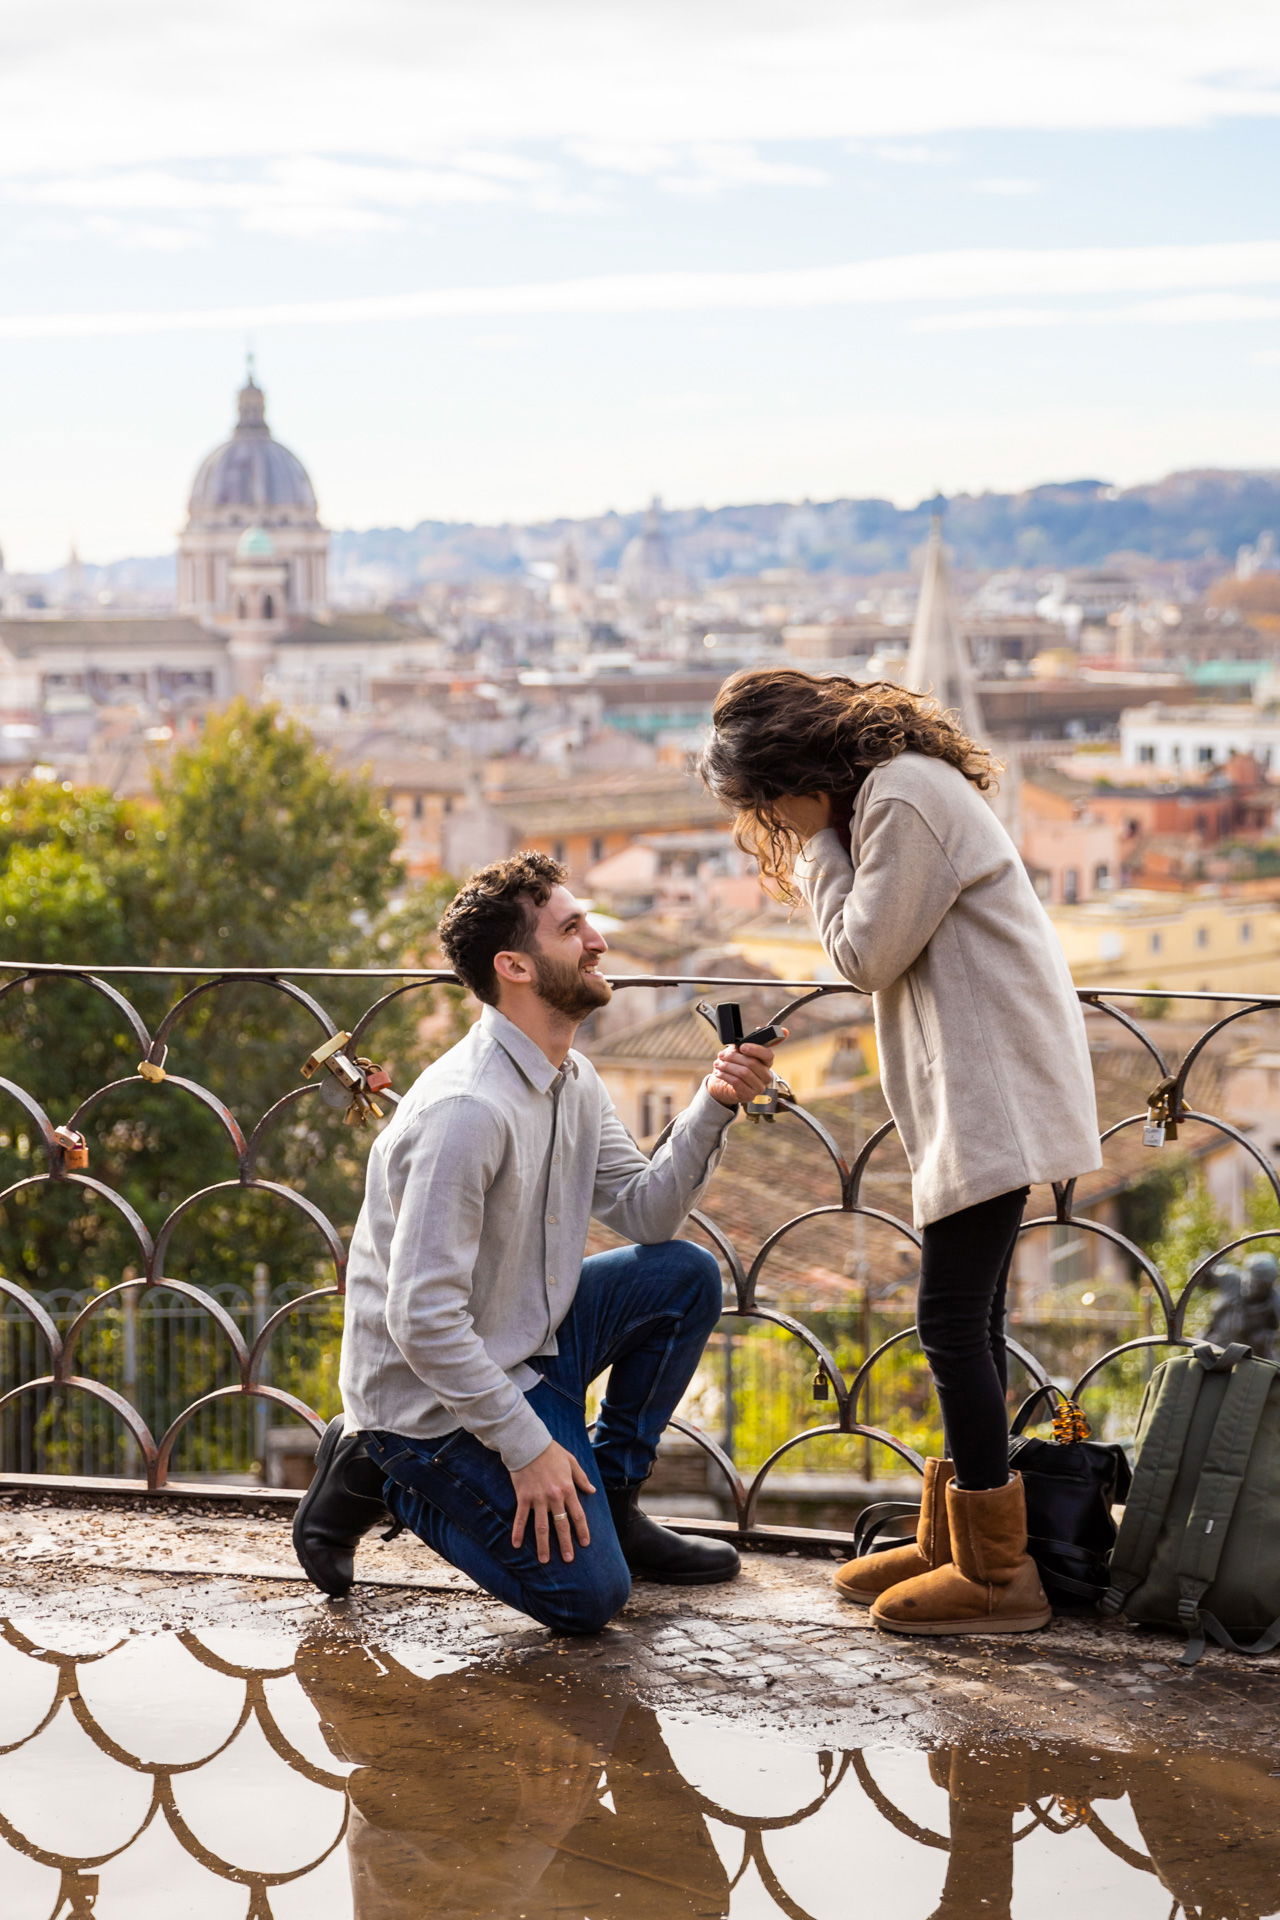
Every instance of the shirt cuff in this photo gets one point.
(520, 1438)
(707, 1114)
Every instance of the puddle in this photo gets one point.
(226, 1776)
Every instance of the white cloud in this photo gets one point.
(1209, 272)
(1005, 189)
(147, 236)
(903, 153)
(139, 81)
(711, 170)
(1180, 310)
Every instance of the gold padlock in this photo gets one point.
(75, 1149)
(153, 1069)
(323, 1052)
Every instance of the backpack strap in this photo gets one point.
(1211, 1628)
(1221, 1477)
(873, 1520)
(1159, 1457)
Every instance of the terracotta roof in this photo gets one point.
(683, 1035)
(604, 809)
(25, 637)
(772, 1173)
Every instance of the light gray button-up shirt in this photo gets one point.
(466, 1254)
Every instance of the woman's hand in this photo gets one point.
(805, 813)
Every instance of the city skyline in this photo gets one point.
(502, 264)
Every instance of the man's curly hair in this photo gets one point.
(496, 912)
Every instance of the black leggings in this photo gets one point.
(964, 1271)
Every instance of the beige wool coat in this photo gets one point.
(983, 1056)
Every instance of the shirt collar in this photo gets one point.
(525, 1053)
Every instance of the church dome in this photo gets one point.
(251, 472)
(646, 570)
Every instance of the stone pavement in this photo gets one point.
(774, 1650)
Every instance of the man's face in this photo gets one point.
(566, 955)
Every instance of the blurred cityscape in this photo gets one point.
(546, 687)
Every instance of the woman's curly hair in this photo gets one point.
(777, 731)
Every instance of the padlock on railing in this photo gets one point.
(152, 1068)
(351, 1084)
(75, 1149)
(1162, 1115)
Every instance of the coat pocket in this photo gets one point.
(922, 1001)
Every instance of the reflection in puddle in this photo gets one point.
(228, 1776)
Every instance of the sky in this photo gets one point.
(507, 259)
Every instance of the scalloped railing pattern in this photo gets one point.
(1173, 1079)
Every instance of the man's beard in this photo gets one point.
(568, 989)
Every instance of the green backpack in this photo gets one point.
(1199, 1545)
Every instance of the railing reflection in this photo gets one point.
(198, 1764)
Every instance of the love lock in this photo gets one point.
(152, 1068)
(764, 1106)
(75, 1149)
(351, 1084)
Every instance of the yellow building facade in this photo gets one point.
(1200, 942)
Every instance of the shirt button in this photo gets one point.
(551, 1279)
(551, 1220)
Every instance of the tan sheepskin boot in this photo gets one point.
(991, 1586)
(864, 1580)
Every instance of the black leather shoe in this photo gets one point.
(656, 1553)
(342, 1504)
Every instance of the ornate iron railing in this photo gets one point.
(245, 1778)
(852, 1172)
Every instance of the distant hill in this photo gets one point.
(1078, 523)
(1196, 516)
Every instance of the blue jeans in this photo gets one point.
(644, 1312)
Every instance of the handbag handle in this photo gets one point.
(1068, 1413)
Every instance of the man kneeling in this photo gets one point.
(474, 1325)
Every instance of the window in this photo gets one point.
(1146, 754)
(419, 806)
(1155, 942)
(1204, 756)
(1101, 876)
(557, 851)
(597, 849)
(268, 607)
(1246, 930)
(1070, 886)
(656, 1110)
(1202, 936)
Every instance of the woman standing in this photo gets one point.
(868, 799)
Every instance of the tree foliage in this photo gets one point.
(253, 852)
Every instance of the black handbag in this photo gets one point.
(1071, 1484)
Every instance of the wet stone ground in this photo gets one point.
(187, 1729)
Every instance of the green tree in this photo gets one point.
(1195, 1226)
(255, 852)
